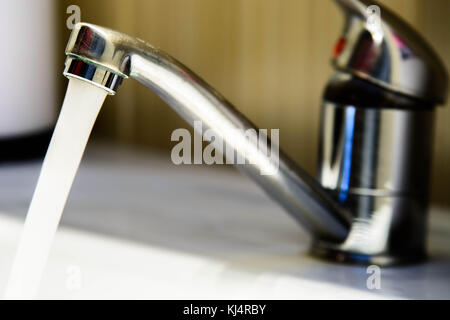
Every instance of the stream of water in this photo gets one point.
(81, 106)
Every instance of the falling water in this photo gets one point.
(79, 111)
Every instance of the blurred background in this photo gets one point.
(270, 58)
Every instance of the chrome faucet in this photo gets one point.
(369, 201)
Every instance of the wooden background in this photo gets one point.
(270, 58)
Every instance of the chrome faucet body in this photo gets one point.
(369, 200)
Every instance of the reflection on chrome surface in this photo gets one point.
(369, 202)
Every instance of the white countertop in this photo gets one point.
(137, 226)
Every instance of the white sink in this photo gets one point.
(138, 227)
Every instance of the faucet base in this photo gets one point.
(334, 252)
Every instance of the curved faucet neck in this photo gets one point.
(301, 195)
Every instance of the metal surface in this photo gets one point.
(386, 230)
(376, 163)
(376, 137)
(375, 151)
(393, 56)
(107, 80)
(300, 194)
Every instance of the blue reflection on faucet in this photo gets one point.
(347, 164)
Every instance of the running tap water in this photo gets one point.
(79, 111)
(369, 201)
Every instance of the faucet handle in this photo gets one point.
(378, 46)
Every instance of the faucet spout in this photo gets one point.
(104, 57)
